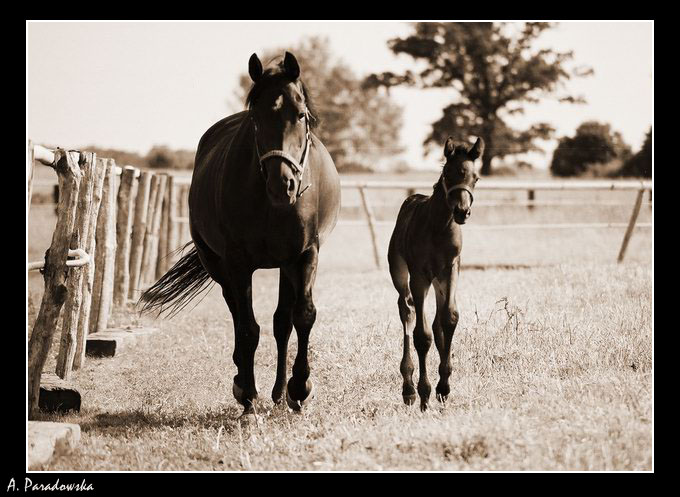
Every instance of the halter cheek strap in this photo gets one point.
(459, 186)
(298, 168)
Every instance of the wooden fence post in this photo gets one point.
(124, 219)
(371, 225)
(55, 274)
(90, 246)
(173, 231)
(106, 251)
(152, 232)
(74, 299)
(29, 177)
(139, 229)
(162, 253)
(631, 225)
(184, 210)
(531, 195)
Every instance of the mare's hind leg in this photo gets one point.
(422, 336)
(399, 273)
(283, 325)
(302, 275)
(217, 271)
(445, 324)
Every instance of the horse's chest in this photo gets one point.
(271, 240)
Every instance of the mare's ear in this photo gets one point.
(477, 149)
(291, 66)
(449, 147)
(254, 68)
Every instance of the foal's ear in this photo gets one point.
(291, 66)
(477, 149)
(449, 147)
(254, 68)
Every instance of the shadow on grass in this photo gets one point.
(138, 420)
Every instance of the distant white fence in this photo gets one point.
(530, 187)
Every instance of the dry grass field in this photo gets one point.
(552, 362)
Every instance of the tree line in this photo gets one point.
(494, 70)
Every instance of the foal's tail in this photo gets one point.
(179, 286)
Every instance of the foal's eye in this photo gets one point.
(301, 116)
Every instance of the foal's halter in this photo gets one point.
(298, 168)
(459, 186)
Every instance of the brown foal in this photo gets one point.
(425, 250)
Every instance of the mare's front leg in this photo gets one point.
(283, 325)
(247, 336)
(302, 276)
(445, 324)
(422, 335)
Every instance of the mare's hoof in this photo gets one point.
(409, 400)
(297, 405)
(248, 419)
(423, 405)
(238, 394)
(442, 397)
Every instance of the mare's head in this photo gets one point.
(459, 177)
(282, 116)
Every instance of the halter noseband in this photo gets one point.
(298, 168)
(459, 186)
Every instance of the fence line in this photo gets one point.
(102, 215)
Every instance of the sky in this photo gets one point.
(132, 85)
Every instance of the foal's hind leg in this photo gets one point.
(445, 324)
(399, 273)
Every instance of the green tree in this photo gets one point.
(640, 164)
(494, 71)
(359, 126)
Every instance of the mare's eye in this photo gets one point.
(301, 116)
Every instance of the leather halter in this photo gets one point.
(459, 186)
(298, 168)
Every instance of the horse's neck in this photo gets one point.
(439, 215)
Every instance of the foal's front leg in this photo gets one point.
(445, 324)
(422, 336)
(302, 274)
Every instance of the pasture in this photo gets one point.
(552, 360)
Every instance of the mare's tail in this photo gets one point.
(179, 286)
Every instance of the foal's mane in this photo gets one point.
(274, 76)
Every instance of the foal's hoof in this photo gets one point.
(442, 398)
(423, 405)
(409, 400)
(297, 405)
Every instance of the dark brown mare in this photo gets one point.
(264, 194)
(425, 250)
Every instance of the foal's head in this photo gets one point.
(282, 117)
(458, 177)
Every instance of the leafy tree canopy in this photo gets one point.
(593, 144)
(359, 126)
(494, 71)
